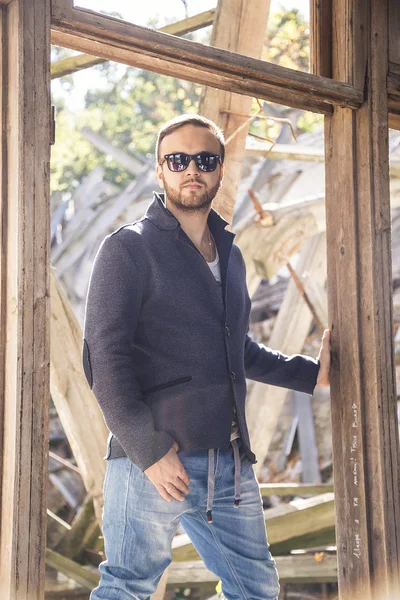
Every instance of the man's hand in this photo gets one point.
(325, 359)
(169, 476)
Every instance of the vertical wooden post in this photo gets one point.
(364, 415)
(24, 297)
(321, 38)
(394, 32)
(238, 28)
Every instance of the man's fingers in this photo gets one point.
(162, 491)
(184, 477)
(181, 486)
(173, 491)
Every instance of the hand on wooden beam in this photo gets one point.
(325, 359)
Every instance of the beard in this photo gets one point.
(191, 201)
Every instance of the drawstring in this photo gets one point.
(236, 456)
(210, 484)
(211, 479)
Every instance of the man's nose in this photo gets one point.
(192, 168)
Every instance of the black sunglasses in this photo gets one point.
(179, 161)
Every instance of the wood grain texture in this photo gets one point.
(364, 415)
(25, 108)
(76, 405)
(284, 523)
(3, 237)
(291, 569)
(350, 21)
(117, 40)
(394, 31)
(264, 404)
(194, 573)
(321, 37)
(241, 31)
(65, 66)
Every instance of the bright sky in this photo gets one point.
(141, 12)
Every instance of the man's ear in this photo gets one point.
(221, 173)
(160, 176)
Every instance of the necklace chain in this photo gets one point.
(210, 242)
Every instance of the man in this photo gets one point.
(167, 354)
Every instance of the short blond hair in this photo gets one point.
(197, 121)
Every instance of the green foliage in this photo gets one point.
(287, 41)
(288, 45)
(128, 105)
(128, 112)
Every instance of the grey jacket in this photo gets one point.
(166, 354)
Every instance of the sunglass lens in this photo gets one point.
(207, 162)
(178, 162)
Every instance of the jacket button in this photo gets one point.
(233, 375)
(227, 331)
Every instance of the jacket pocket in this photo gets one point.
(168, 384)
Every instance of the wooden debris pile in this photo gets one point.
(296, 473)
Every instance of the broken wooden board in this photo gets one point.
(293, 520)
(76, 405)
(239, 30)
(265, 403)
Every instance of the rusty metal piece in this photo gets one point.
(300, 287)
(263, 217)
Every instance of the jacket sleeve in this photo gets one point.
(112, 312)
(295, 372)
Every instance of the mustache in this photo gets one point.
(191, 181)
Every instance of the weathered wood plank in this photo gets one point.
(113, 39)
(292, 569)
(286, 151)
(130, 162)
(394, 31)
(321, 37)
(72, 569)
(61, 8)
(350, 26)
(243, 31)
(294, 489)
(265, 403)
(25, 117)
(81, 532)
(3, 241)
(364, 414)
(307, 438)
(76, 405)
(66, 66)
(298, 518)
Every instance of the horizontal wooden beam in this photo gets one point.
(286, 151)
(117, 40)
(294, 489)
(66, 66)
(293, 520)
(204, 19)
(303, 568)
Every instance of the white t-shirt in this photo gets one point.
(216, 271)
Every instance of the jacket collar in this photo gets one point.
(159, 214)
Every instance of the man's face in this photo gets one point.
(191, 190)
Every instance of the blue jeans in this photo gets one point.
(139, 525)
